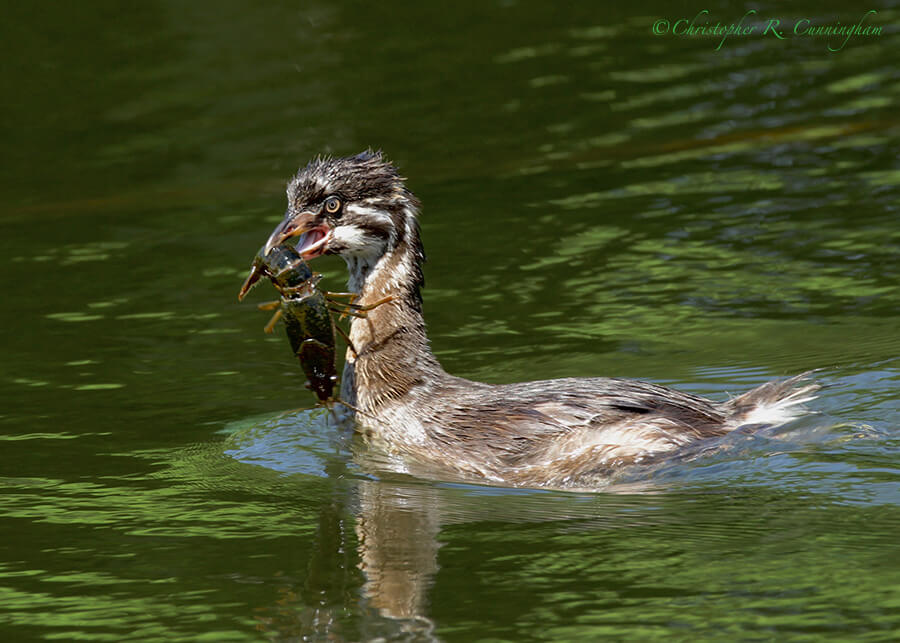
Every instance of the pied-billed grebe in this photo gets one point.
(563, 433)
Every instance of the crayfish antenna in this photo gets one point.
(328, 404)
(350, 406)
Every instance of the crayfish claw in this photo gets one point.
(256, 271)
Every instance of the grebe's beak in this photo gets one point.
(314, 236)
(291, 226)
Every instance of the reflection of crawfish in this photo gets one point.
(307, 313)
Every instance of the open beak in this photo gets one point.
(313, 236)
(289, 226)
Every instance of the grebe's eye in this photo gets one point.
(332, 205)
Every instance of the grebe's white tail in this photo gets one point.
(773, 403)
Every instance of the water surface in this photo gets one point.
(598, 200)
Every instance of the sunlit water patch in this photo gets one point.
(309, 442)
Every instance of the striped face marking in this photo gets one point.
(356, 207)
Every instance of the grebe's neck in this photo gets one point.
(392, 352)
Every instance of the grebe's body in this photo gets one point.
(563, 433)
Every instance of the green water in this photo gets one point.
(598, 200)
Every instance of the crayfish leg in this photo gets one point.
(270, 327)
(367, 307)
(357, 310)
(345, 312)
(348, 295)
(346, 339)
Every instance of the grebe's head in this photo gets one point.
(356, 207)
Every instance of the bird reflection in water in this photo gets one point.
(372, 564)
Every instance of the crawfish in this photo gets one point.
(306, 313)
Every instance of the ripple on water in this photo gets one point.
(305, 442)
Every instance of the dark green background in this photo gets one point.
(597, 201)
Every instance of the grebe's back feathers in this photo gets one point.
(566, 431)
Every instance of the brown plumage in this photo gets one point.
(570, 432)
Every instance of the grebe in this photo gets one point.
(572, 432)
